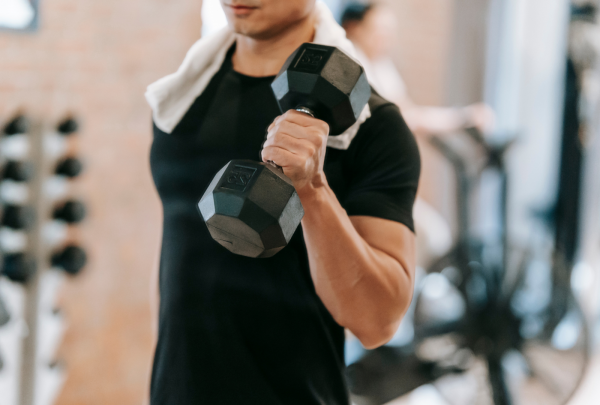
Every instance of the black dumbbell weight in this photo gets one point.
(71, 211)
(4, 314)
(251, 208)
(18, 217)
(17, 171)
(68, 126)
(71, 259)
(19, 267)
(69, 167)
(18, 125)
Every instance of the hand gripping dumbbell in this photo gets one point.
(251, 208)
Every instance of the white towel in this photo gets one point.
(171, 97)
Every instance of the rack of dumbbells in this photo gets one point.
(38, 249)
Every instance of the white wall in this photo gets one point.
(525, 85)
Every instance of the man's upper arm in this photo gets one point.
(385, 164)
(389, 237)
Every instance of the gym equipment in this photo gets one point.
(19, 267)
(36, 214)
(68, 126)
(17, 171)
(251, 208)
(71, 212)
(71, 259)
(18, 125)
(4, 314)
(18, 217)
(69, 167)
(519, 336)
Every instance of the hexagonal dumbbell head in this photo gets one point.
(251, 208)
(325, 80)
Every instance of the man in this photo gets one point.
(235, 330)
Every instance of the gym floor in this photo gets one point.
(588, 393)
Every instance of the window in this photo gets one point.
(18, 15)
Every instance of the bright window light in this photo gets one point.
(16, 14)
(213, 17)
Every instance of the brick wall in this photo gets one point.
(94, 58)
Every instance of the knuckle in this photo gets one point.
(319, 140)
(278, 137)
(283, 125)
(316, 132)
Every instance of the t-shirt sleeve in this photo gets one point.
(385, 167)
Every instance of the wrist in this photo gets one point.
(314, 190)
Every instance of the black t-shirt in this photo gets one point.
(235, 330)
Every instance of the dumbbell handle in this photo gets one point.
(301, 109)
(306, 110)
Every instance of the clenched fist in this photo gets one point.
(296, 142)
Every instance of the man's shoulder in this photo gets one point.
(386, 126)
(376, 102)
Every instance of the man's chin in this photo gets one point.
(251, 31)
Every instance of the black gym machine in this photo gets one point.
(518, 314)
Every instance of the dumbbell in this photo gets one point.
(4, 314)
(68, 126)
(251, 208)
(71, 212)
(19, 267)
(71, 259)
(18, 125)
(17, 171)
(18, 217)
(69, 167)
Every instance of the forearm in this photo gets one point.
(365, 289)
(154, 292)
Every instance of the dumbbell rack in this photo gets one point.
(37, 328)
(29, 365)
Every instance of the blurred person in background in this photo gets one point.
(270, 331)
(372, 27)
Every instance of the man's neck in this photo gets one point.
(265, 57)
